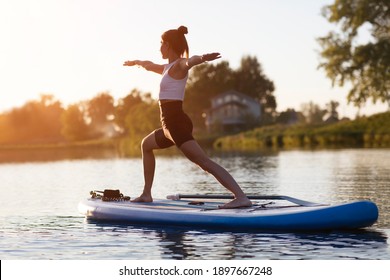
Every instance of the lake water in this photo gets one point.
(39, 197)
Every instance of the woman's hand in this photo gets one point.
(130, 63)
(146, 64)
(211, 56)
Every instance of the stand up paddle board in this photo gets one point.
(203, 212)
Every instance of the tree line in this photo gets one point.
(47, 121)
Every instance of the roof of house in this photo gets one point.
(235, 92)
(217, 107)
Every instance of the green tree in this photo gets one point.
(143, 119)
(313, 113)
(332, 113)
(74, 126)
(4, 129)
(36, 121)
(208, 80)
(205, 82)
(365, 65)
(251, 80)
(100, 113)
(125, 105)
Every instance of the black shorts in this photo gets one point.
(176, 125)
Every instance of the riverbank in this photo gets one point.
(373, 131)
(98, 143)
(103, 148)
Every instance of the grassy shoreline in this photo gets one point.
(373, 131)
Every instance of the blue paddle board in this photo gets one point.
(206, 214)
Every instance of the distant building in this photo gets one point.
(232, 111)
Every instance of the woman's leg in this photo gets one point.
(195, 153)
(149, 164)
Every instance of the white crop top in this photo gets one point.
(170, 88)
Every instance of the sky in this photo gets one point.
(74, 49)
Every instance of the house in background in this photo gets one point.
(232, 111)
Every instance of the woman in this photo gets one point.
(176, 125)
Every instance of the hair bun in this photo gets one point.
(182, 29)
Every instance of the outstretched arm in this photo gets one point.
(198, 59)
(147, 65)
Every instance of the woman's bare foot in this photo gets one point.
(143, 198)
(237, 203)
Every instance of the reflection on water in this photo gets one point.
(181, 243)
(75, 238)
(39, 219)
